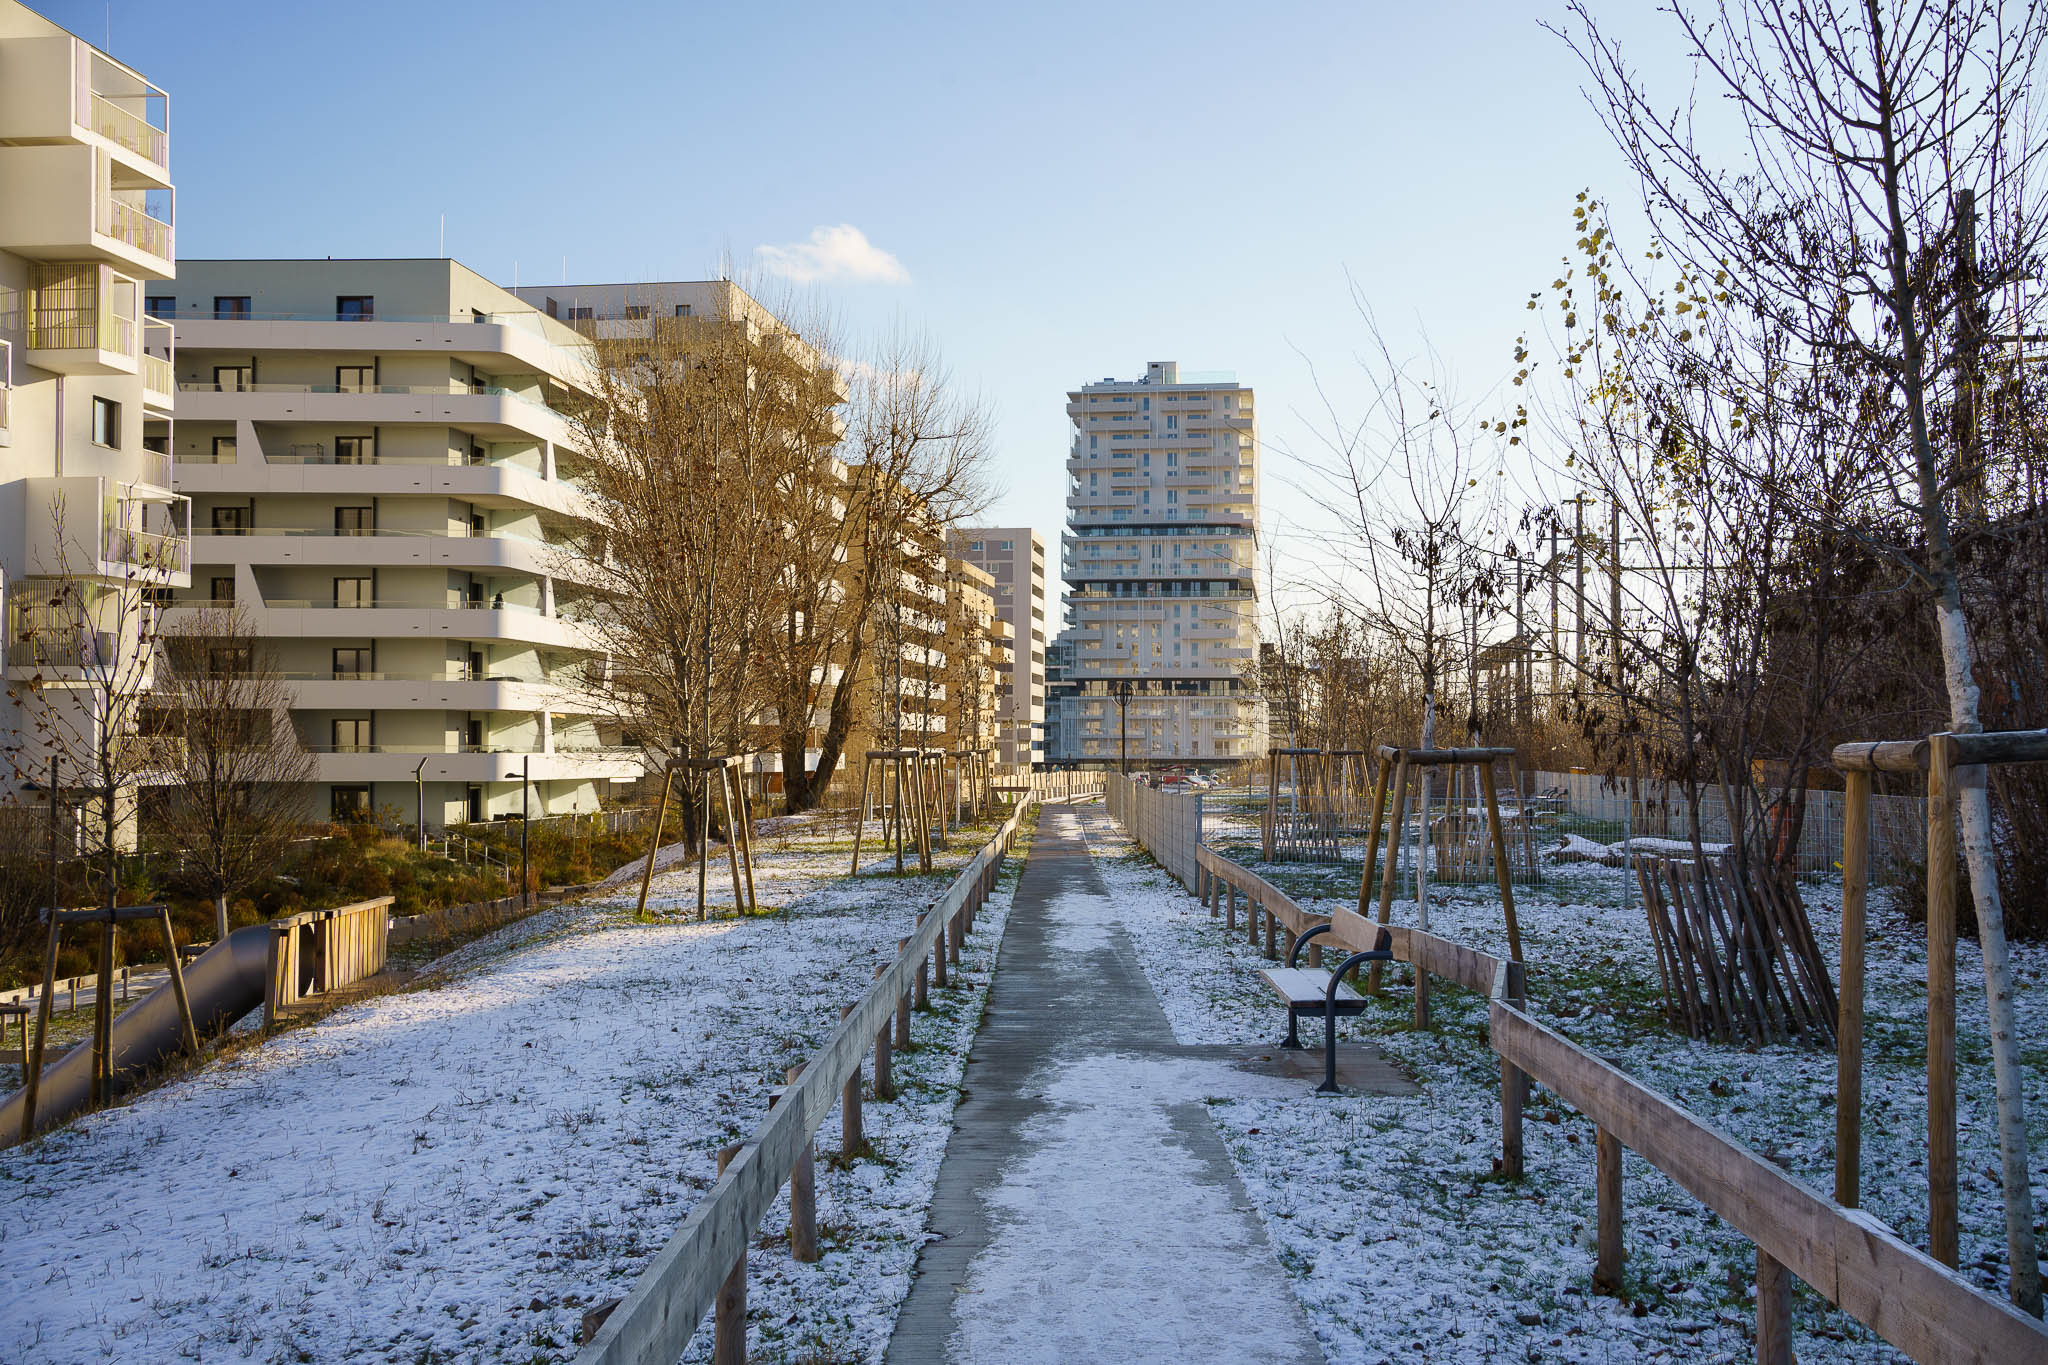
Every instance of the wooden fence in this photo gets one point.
(323, 950)
(1848, 1256)
(705, 1262)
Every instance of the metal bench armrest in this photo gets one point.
(1294, 953)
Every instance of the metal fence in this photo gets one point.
(1167, 824)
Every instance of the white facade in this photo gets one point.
(1161, 567)
(1014, 556)
(384, 479)
(89, 525)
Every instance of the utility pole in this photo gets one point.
(419, 783)
(525, 826)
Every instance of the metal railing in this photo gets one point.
(132, 224)
(156, 467)
(144, 549)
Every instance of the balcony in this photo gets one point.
(159, 356)
(85, 527)
(55, 88)
(77, 203)
(82, 319)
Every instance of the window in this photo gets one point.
(349, 805)
(160, 306)
(974, 547)
(234, 378)
(223, 450)
(552, 310)
(351, 662)
(1006, 545)
(683, 310)
(221, 591)
(355, 307)
(636, 312)
(353, 592)
(355, 378)
(579, 314)
(106, 422)
(355, 521)
(231, 521)
(355, 450)
(231, 306)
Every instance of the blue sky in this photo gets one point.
(1069, 190)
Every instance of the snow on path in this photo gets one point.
(454, 1174)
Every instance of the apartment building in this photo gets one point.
(1161, 569)
(1015, 557)
(89, 524)
(981, 651)
(384, 479)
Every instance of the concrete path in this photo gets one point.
(1087, 1209)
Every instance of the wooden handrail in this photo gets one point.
(1849, 1257)
(657, 1318)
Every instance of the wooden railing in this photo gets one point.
(324, 950)
(1847, 1255)
(705, 1262)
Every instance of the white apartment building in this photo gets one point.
(89, 526)
(384, 479)
(1160, 562)
(1014, 556)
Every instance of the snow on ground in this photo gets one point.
(456, 1172)
(1404, 1246)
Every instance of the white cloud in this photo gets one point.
(833, 253)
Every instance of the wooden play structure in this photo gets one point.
(1300, 823)
(1736, 954)
(897, 791)
(1396, 766)
(739, 828)
(1947, 761)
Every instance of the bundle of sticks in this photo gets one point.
(1736, 954)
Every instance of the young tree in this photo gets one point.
(1870, 132)
(231, 770)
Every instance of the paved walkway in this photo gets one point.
(1087, 1210)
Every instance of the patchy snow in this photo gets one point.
(1403, 1245)
(456, 1172)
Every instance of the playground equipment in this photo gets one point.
(739, 828)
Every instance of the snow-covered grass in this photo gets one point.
(456, 1172)
(1405, 1246)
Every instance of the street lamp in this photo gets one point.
(1121, 690)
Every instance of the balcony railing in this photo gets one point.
(130, 129)
(395, 604)
(156, 469)
(64, 308)
(131, 224)
(145, 549)
(419, 390)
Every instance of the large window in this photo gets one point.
(351, 662)
(160, 306)
(106, 422)
(355, 378)
(231, 305)
(221, 591)
(355, 307)
(234, 378)
(355, 450)
(352, 735)
(350, 804)
(354, 592)
(355, 521)
(223, 450)
(230, 521)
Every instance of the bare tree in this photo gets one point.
(229, 795)
(1871, 131)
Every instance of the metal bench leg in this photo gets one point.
(1293, 1025)
(1329, 1085)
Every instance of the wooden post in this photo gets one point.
(1503, 874)
(178, 981)
(746, 829)
(103, 1019)
(849, 1107)
(668, 781)
(923, 999)
(727, 780)
(32, 1057)
(1230, 909)
(1849, 1019)
(1271, 924)
(953, 937)
(1372, 834)
(860, 812)
(1514, 1082)
(1607, 1178)
(885, 1079)
(1397, 823)
(1941, 1002)
(729, 1312)
(803, 1193)
(902, 1008)
(1773, 1311)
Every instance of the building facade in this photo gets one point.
(384, 484)
(1160, 561)
(1014, 556)
(90, 529)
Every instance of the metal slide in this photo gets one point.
(224, 983)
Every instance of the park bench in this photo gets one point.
(1311, 990)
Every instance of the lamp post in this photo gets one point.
(419, 783)
(1121, 689)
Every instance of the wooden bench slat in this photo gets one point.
(1304, 985)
